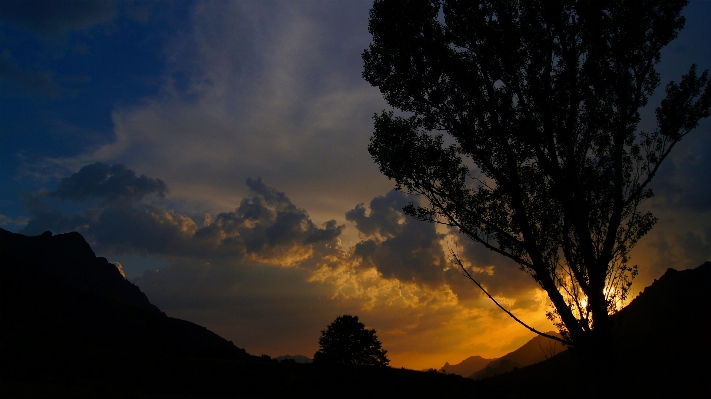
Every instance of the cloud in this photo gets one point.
(43, 217)
(119, 266)
(399, 262)
(48, 17)
(399, 247)
(107, 182)
(386, 218)
(682, 203)
(410, 251)
(269, 89)
(269, 227)
(266, 226)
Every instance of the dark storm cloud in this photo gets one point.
(398, 246)
(273, 220)
(413, 255)
(266, 227)
(105, 182)
(267, 222)
(144, 230)
(49, 17)
(386, 218)
(409, 250)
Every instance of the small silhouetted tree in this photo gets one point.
(545, 163)
(346, 341)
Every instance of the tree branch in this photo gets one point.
(469, 276)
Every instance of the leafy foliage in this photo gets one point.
(545, 163)
(346, 341)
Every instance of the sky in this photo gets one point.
(216, 152)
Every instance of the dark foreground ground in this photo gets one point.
(205, 378)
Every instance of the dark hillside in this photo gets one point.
(536, 350)
(57, 326)
(662, 348)
(55, 290)
(466, 367)
(68, 258)
(663, 337)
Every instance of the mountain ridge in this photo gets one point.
(295, 358)
(535, 350)
(69, 258)
(46, 308)
(660, 349)
(466, 367)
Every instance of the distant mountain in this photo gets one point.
(466, 367)
(297, 358)
(538, 349)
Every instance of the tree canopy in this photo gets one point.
(347, 342)
(545, 162)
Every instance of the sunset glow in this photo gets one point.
(216, 152)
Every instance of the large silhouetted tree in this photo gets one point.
(346, 341)
(545, 162)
